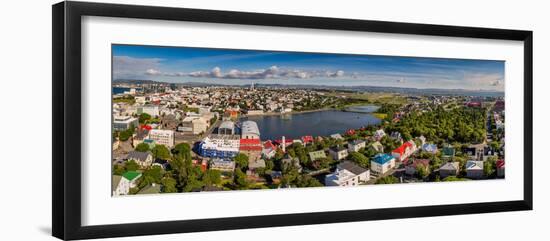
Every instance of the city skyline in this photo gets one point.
(228, 66)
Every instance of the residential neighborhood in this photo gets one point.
(176, 138)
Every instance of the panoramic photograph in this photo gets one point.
(189, 119)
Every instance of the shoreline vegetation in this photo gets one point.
(345, 109)
(350, 102)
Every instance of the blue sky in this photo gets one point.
(225, 66)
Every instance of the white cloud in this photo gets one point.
(272, 72)
(217, 72)
(152, 72)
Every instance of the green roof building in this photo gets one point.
(448, 151)
(131, 175)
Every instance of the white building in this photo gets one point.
(222, 165)
(379, 134)
(347, 174)
(120, 185)
(162, 137)
(474, 169)
(221, 146)
(338, 152)
(140, 100)
(194, 125)
(143, 159)
(356, 145)
(152, 110)
(381, 163)
(249, 130)
(121, 123)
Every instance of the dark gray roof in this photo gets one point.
(352, 167)
(138, 155)
(356, 142)
(337, 148)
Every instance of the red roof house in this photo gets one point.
(500, 163)
(288, 142)
(500, 168)
(269, 145)
(404, 151)
(250, 145)
(307, 139)
(146, 127)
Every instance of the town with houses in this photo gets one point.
(171, 138)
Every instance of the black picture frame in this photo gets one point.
(66, 75)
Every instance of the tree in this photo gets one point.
(307, 181)
(454, 179)
(279, 154)
(260, 171)
(161, 152)
(321, 163)
(422, 170)
(241, 160)
(192, 181)
(182, 151)
(118, 170)
(144, 117)
(143, 147)
(269, 164)
(131, 166)
(169, 185)
(239, 178)
(124, 135)
(387, 180)
(495, 145)
(152, 175)
(212, 177)
(359, 159)
(489, 166)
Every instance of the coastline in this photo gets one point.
(344, 109)
(290, 113)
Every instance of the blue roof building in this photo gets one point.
(431, 148)
(382, 163)
(382, 158)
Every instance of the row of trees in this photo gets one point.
(462, 125)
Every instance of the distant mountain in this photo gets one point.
(400, 90)
(137, 81)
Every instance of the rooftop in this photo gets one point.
(138, 155)
(250, 127)
(382, 158)
(227, 125)
(450, 166)
(131, 175)
(352, 167)
(337, 148)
